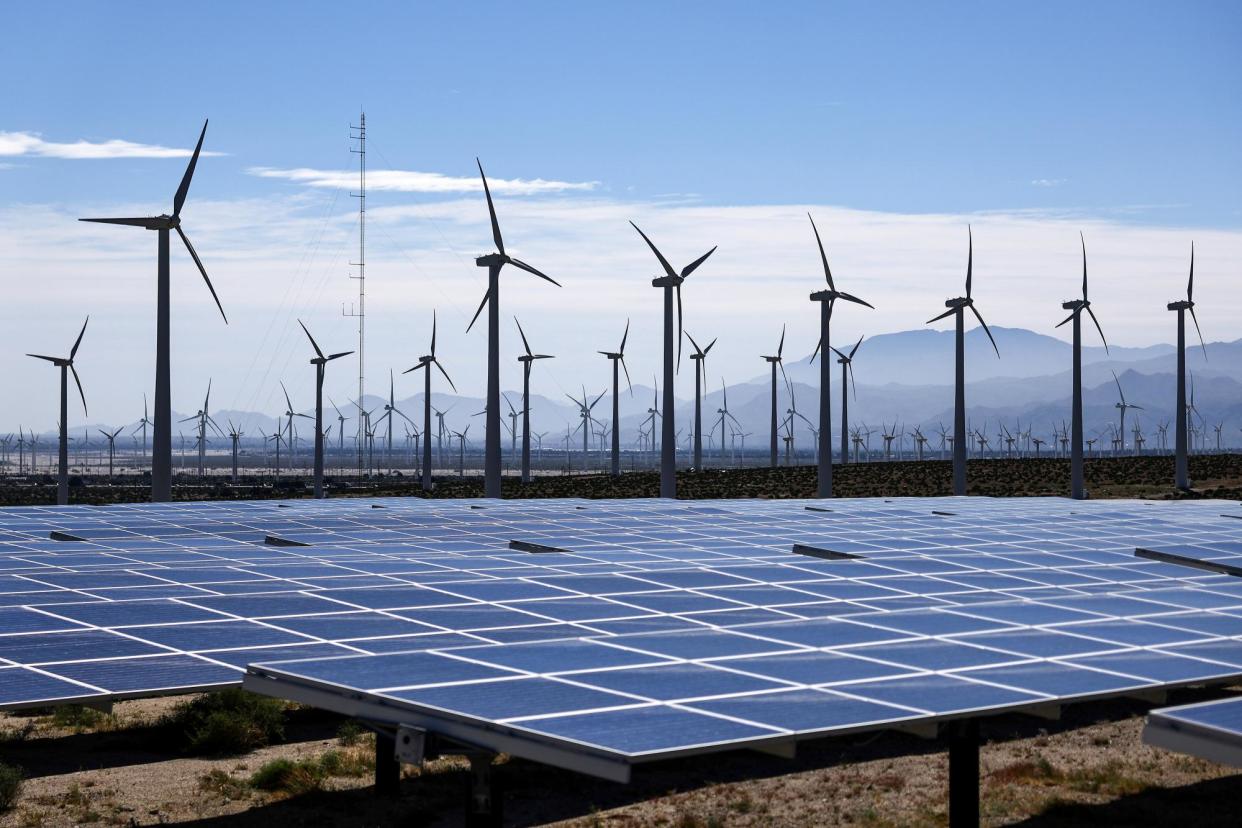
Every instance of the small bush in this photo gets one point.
(288, 777)
(78, 717)
(349, 733)
(222, 784)
(229, 722)
(10, 785)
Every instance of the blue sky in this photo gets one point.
(713, 123)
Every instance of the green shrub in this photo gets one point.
(10, 785)
(77, 717)
(288, 777)
(229, 722)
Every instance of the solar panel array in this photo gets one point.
(694, 623)
(1210, 730)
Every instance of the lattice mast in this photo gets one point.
(359, 133)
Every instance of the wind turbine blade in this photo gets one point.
(1190, 283)
(151, 223)
(74, 351)
(627, 376)
(486, 295)
(838, 353)
(693, 266)
(668, 268)
(525, 344)
(944, 315)
(406, 371)
(1119, 391)
(854, 350)
(202, 270)
(1097, 327)
(184, 188)
(781, 347)
(338, 356)
(314, 344)
(1195, 319)
(625, 336)
(82, 393)
(697, 349)
(288, 404)
(52, 360)
(1084, 265)
(597, 399)
(521, 265)
(709, 346)
(446, 376)
(1066, 319)
(853, 385)
(491, 209)
(849, 297)
(679, 327)
(979, 316)
(970, 259)
(815, 353)
(823, 256)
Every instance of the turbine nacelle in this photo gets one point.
(667, 281)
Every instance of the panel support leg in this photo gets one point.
(964, 774)
(483, 796)
(387, 768)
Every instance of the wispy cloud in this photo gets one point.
(33, 144)
(1048, 182)
(412, 181)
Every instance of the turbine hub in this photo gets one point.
(667, 281)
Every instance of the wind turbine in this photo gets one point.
(584, 412)
(528, 360)
(1123, 406)
(111, 438)
(618, 357)
(1076, 307)
(161, 461)
(235, 435)
(320, 362)
(426, 362)
(847, 373)
(827, 299)
(723, 411)
(461, 450)
(774, 361)
(340, 429)
(699, 357)
(1181, 464)
(142, 424)
(290, 414)
(390, 408)
(494, 262)
(670, 283)
(957, 308)
(65, 364)
(203, 419)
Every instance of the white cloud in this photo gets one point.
(33, 144)
(1048, 182)
(412, 181)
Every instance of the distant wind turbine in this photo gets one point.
(775, 361)
(847, 373)
(494, 262)
(1181, 463)
(670, 283)
(161, 458)
(1123, 406)
(320, 362)
(65, 364)
(618, 357)
(1076, 307)
(528, 360)
(699, 357)
(957, 308)
(425, 362)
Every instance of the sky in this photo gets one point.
(896, 125)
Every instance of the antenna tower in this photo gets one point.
(359, 133)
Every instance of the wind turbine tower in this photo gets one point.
(1076, 307)
(527, 359)
(618, 357)
(1181, 463)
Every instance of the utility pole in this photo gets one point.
(359, 133)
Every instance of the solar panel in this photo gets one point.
(1209, 730)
